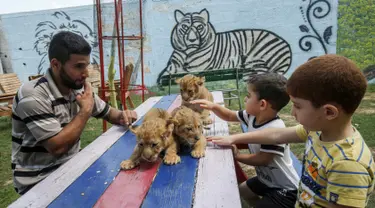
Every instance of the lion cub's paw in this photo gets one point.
(197, 153)
(127, 164)
(172, 159)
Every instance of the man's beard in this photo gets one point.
(69, 82)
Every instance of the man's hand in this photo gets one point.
(205, 104)
(221, 140)
(86, 99)
(128, 117)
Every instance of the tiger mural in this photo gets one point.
(198, 47)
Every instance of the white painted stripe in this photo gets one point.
(47, 190)
(216, 184)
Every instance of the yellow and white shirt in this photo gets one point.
(340, 172)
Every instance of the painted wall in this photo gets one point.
(268, 35)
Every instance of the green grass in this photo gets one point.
(364, 120)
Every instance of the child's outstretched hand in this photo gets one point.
(221, 140)
(205, 104)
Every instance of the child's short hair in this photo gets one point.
(270, 87)
(330, 79)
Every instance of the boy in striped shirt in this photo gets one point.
(338, 168)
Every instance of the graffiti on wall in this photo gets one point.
(61, 21)
(315, 10)
(198, 47)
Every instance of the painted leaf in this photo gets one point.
(327, 34)
(304, 28)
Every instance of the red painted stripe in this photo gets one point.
(130, 187)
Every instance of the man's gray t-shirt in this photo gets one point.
(40, 112)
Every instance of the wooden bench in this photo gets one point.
(241, 176)
(92, 178)
(118, 88)
(211, 76)
(9, 85)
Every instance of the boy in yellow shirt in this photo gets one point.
(338, 168)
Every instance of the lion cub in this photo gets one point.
(188, 130)
(192, 88)
(154, 135)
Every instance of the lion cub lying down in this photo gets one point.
(192, 88)
(188, 130)
(153, 136)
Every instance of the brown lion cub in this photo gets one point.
(188, 130)
(192, 88)
(154, 135)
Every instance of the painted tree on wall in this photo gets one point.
(356, 32)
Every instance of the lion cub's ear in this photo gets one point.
(201, 80)
(178, 80)
(133, 129)
(169, 127)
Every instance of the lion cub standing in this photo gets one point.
(188, 130)
(154, 135)
(192, 88)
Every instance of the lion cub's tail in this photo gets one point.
(157, 113)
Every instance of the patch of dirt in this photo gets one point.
(365, 110)
(288, 119)
(234, 128)
(369, 96)
(8, 182)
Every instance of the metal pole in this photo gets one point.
(100, 41)
(141, 35)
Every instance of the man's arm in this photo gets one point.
(264, 136)
(222, 112)
(68, 136)
(118, 117)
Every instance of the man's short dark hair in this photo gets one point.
(270, 87)
(65, 43)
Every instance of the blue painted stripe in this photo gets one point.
(86, 189)
(296, 164)
(342, 151)
(360, 155)
(347, 172)
(173, 185)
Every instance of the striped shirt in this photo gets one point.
(339, 172)
(40, 112)
(279, 173)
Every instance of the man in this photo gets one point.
(50, 113)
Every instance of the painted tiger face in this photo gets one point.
(192, 31)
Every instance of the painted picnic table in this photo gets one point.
(93, 177)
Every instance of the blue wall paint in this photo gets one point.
(283, 18)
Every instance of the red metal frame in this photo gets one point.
(120, 37)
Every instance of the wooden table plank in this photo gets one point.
(173, 185)
(216, 184)
(131, 186)
(47, 190)
(87, 188)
